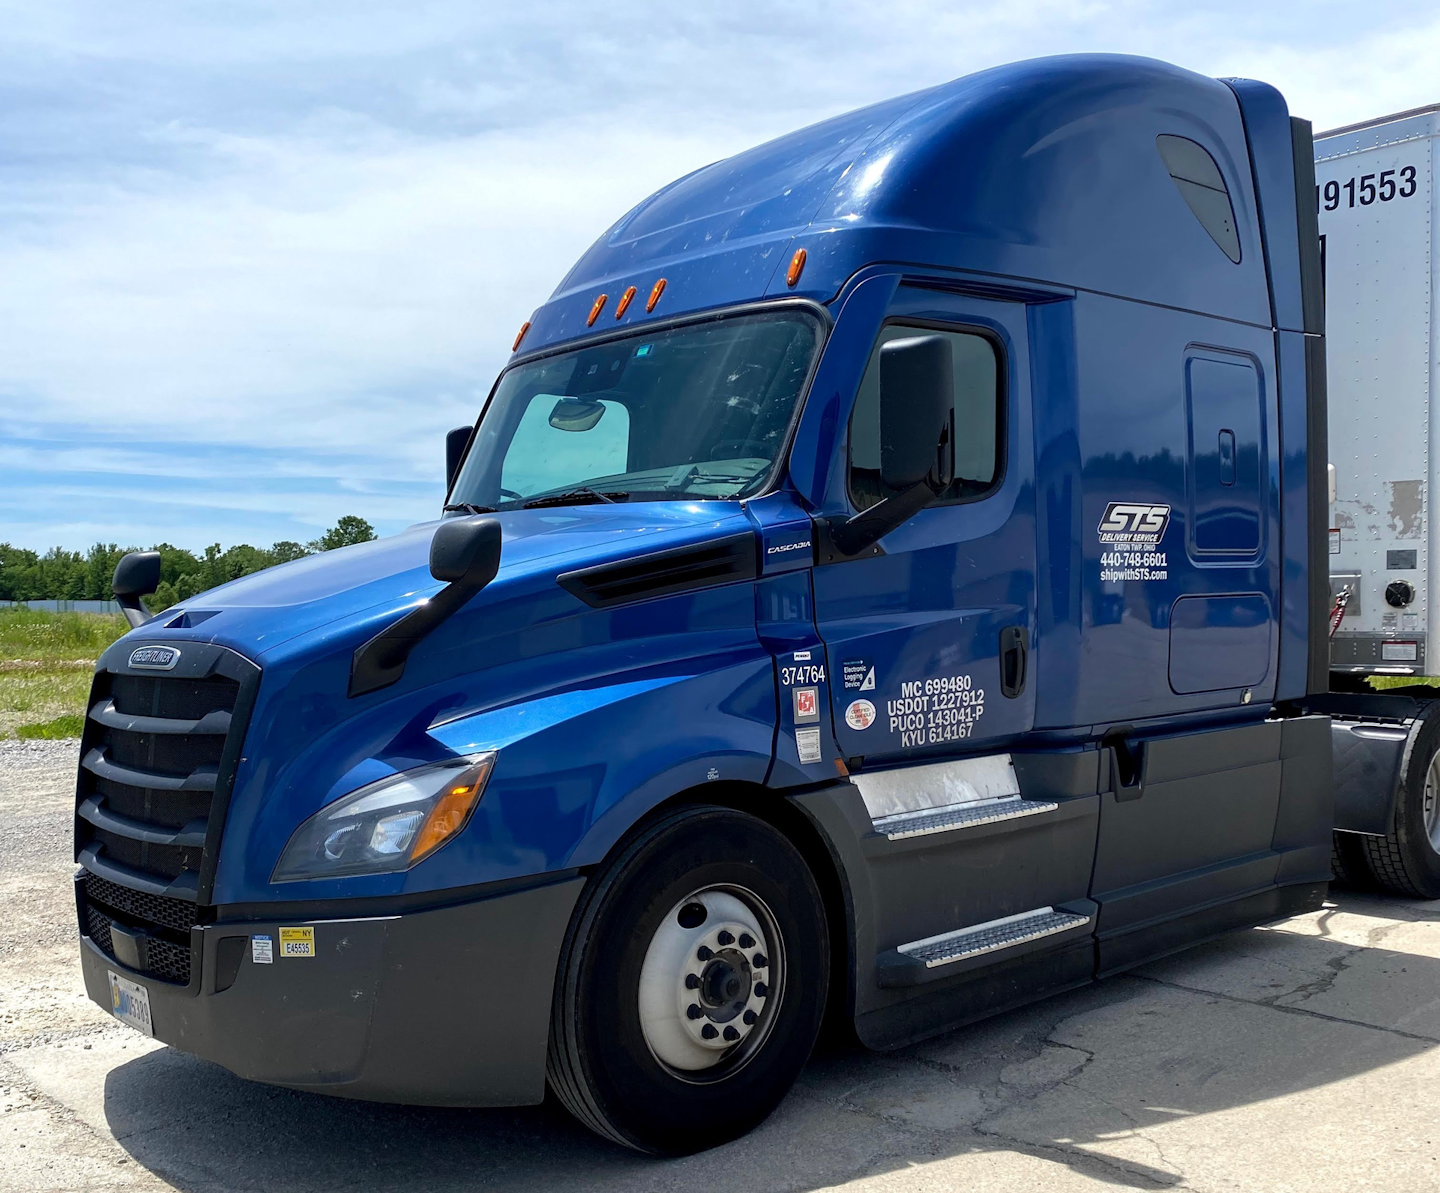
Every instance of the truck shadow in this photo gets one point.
(1250, 1018)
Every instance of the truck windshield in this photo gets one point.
(697, 412)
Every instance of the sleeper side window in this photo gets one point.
(1201, 184)
(978, 418)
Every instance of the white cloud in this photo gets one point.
(313, 231)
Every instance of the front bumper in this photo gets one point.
(447, 1007)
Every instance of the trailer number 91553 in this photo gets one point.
(1383, 186)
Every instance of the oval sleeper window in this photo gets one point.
(1200, 182)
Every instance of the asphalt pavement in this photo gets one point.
(1301, 1056)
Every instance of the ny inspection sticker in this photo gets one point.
(297, 942)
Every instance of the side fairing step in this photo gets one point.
(919, 961)
(971, 814)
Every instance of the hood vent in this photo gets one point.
(722, 561)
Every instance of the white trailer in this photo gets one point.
(1375, 188)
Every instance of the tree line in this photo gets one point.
(64, 575)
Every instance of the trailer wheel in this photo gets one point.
(691, 985)
(1407, 860)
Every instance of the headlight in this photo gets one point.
(387, 825)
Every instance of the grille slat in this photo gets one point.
(158, 758)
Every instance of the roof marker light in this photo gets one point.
(625, 300)
(520, 335)
(797, 267)
(596, 309)
(655, 296)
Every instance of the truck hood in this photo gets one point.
(259, 613)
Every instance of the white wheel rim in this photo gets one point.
(1432, 802)
(709, 990)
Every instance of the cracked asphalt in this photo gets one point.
(1296, 1057)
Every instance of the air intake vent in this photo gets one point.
(723, 561)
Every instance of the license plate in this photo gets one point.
(130, 1003)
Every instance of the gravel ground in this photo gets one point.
(1298, 1057)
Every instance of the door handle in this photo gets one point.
(1014, 652)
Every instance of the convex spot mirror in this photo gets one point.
(917, 402)
(466, 551)
(576, 414)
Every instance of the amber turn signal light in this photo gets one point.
(797, 267)
(520, 335)
(451, 810)
(655, 293)
(596, 309)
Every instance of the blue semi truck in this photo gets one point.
(887, 583)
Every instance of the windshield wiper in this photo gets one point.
(580, 494)
(464, 507)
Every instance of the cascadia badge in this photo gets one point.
(155, 658)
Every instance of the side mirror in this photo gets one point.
(136, 575)
(465, 554)
(917, 401)
(917, 438)
(455, 443)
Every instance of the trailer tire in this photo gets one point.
(1407, 859)
(702, 889)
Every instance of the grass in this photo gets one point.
(46, 660)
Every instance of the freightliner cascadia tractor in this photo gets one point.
(887, 585)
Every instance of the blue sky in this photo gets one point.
(256, 258)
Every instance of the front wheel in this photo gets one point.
(691, 985)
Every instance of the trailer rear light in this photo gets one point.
(655, 292)
(596, 309)
(520, 335)
(797, 267)
(625, 300)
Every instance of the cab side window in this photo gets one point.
(978, 418)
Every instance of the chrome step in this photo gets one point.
(967, 815)
(992, 936)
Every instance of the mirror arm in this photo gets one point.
(135, 613)
(867, 527)
(381, 661)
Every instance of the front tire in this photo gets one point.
(691, 985)
(1407, 860)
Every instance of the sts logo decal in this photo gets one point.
(1134, 522)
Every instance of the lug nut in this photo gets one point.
(731, 1034)
(725, 938)
(749, 1018)
(704, 953)
(709, 1032)
(761, 990)
(759, 961)
(692, 981)
(747, 941)
(693, 1011)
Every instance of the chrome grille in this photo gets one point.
(157, 759)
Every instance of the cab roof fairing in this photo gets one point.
(1044, 170)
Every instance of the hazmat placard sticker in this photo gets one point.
(297, 942)
(262, 950)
